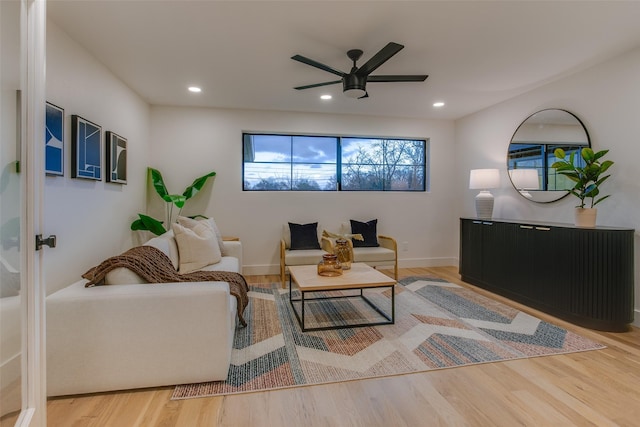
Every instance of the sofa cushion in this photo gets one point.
(308, 257)
(304, 236)
(227, 263)
(373, 254)
(369, 233)
(198, 246)
(167, 244)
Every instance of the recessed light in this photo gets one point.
(438, 104)
(195, 89)
(326, 96)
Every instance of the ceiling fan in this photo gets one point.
(354, 83)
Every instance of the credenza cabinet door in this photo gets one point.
(582, 275)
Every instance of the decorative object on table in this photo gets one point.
(524, 180)
(116, 158)
(54, 140)
(344, 252)
(329, 266)
(439, 325)
(343, 247)
(145, 222)
(484, 180)
(587, 178)
(86, 149)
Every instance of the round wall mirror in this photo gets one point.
(530, 154)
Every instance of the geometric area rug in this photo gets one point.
(437, 325)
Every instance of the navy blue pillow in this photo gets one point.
(369, 233)
(304, 236)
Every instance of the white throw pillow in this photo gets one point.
(223, 250)
(197, 246)
(167, 244)
(190, 223)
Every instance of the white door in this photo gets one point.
(22, 88)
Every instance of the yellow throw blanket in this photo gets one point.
(154, 266)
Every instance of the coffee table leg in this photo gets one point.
(302, 303)
(393, 304)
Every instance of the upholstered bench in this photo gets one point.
(375, 250)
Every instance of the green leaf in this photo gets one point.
(587, 154)
(177, 199)
(559, 153)
(158, 183)
(600, 199)
(147, 223)
(601, 180)
(605, 165)
(197, 185)
(600, 154)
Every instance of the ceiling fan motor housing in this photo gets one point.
(354, 86)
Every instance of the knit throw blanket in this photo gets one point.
(154, 266)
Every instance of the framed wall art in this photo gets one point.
(54, 140)
(86, 149)
(116, 158)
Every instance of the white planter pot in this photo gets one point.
(586, 217)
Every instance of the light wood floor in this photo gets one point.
(594, 388)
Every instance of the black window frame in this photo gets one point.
(424, 187)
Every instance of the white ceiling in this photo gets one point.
(476, 53)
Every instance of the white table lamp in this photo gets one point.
(525, 179)
(483, 180)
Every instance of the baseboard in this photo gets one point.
(636, 318)
(257, 270)
(427, 262)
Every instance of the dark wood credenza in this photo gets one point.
(582, 275)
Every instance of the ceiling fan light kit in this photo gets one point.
(354, 83)
(354, 86)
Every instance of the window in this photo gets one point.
(332, 163)
(541, 157)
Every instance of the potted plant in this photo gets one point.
(145, 222)
(587, 179)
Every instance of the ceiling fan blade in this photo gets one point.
(379, 58)
(400, 78)
(318, 85)
(316, 64)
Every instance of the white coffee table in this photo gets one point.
(359, 277)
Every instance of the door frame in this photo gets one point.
(32, 70)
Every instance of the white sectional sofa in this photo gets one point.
(134, 335)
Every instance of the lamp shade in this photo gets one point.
(483, 179)
(525, 179)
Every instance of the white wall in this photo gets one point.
(607, 100)
(91, 218)
(189, 142)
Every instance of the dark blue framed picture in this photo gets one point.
(116, 158)
(86, 149)
(54, 140)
